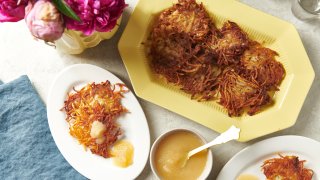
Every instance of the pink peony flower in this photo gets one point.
(95, 15)
(44, 21)
(12, 10)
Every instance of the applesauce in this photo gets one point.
(122, 153)
(247, 177)
(171, 153)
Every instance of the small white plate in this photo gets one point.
(134, 124)
(250, 159)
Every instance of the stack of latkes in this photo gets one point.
(209, 63)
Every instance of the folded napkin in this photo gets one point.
(27, 149)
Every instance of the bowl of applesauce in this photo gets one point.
(168, 156)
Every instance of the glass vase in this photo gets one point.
(75, 42)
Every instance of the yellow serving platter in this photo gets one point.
(274, 33)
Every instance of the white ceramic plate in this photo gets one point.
(134, 125)
(249, 160)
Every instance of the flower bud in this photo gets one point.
(44, 21)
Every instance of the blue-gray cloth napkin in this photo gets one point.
(27, 149)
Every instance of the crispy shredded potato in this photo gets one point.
(186, 17)
(176, 53)
(95, 102)
(286, 168)
(187, 66)
(237, 93)
(259, 64)
(187, 49)
(231, 45)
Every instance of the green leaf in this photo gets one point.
(66, 10)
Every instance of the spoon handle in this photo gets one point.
(231, 134)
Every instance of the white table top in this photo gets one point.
(21, 54)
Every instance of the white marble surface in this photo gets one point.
(21, 54)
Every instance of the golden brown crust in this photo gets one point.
(231, 45)
(183, 62)
(259, 64)
(176, 50)
(186, 17)
(237, 94)
(286, 168)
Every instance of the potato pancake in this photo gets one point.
(187, 49)
(286, 168)
(259, 64)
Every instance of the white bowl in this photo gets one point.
(207, 168)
